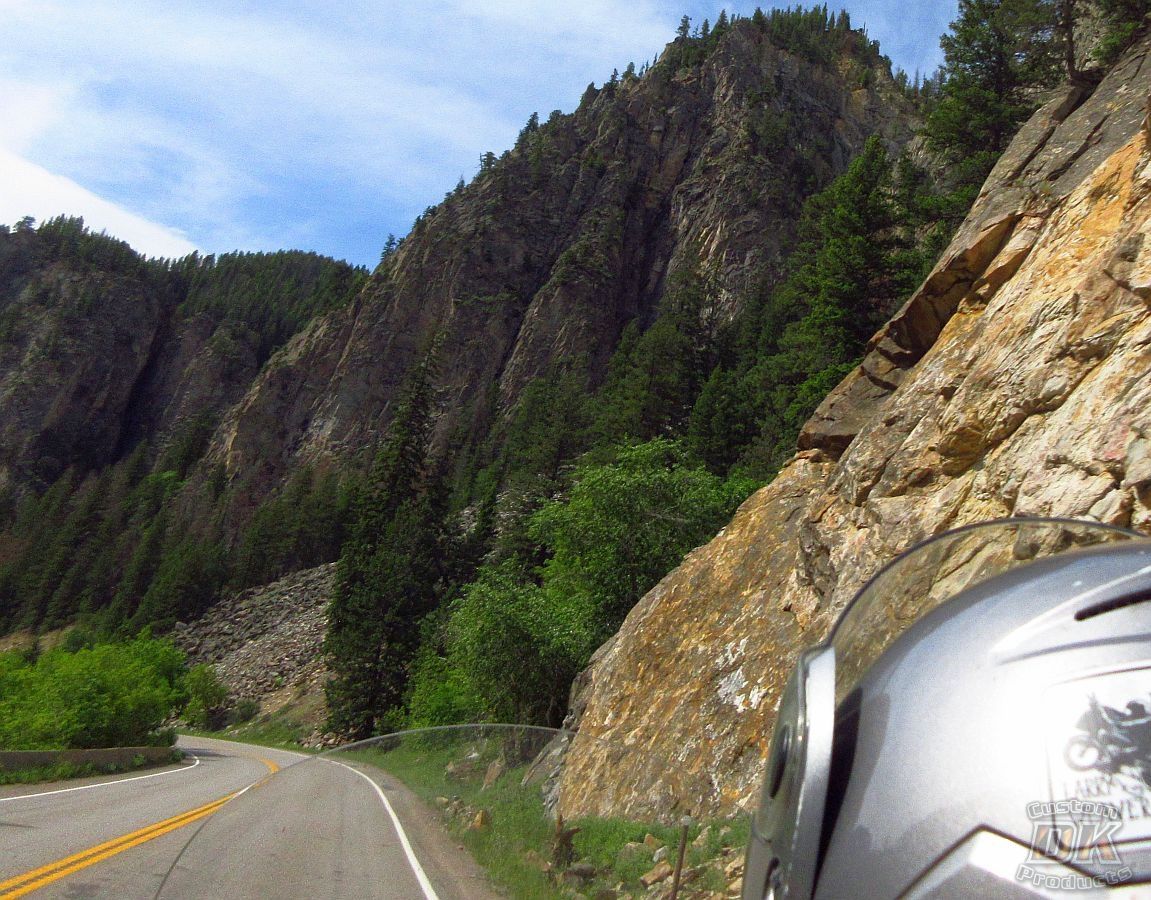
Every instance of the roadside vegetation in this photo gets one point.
(82, 696)
(499, 815)
(64, 771)
(271, 732)
(109, 695)
(478, 574)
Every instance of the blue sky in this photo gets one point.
(299, 124)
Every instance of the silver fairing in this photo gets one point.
(784, 846)
(952, 749)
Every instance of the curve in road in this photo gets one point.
(51, 839)
(314, 830)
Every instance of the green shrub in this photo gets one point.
(244, 711)
(109, 695)
(206, 697)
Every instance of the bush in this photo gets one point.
(244, 711)
(625, 525)
(441, 693)
(206, 695)
(518, 635)
(518, 646)
(110, 695)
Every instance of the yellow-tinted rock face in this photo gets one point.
(1016, 382)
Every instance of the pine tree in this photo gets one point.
(389, 250)
(997, 52)
(654, 378)
(389, 570)
(1124, 20)
(532, 126)
(386, 585)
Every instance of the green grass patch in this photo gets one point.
(519, 821)
(519, 841)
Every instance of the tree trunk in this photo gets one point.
(1067, 28)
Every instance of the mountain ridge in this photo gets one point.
(628, 179)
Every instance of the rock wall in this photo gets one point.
(66, 373)
(1017, 381)
(545, 257)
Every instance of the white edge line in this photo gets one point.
(421, 875)
(88, 787)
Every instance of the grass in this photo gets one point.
(284, 729)
(519, 821)
(519, 841)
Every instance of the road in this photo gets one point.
(299, 827)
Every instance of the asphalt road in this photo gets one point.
(303, 827)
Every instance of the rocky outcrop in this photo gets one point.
(1017, 381)
(72, 345)
(199, 368)
(266, 642)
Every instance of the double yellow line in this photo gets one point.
(45, 875)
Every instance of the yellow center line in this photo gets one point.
(38, 878)
(54, 871)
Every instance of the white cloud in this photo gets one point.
(30, 190)
(259, 124)
(225, 118)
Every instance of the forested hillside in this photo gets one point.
(114, 372)
(565, 377)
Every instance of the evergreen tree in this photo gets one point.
(856, 259)
(654, 377)
(386, 584)
(390, 246)
(1124, 20)
(389, 571)
(532, 126)
(996, 53)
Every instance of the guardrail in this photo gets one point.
(124, 757)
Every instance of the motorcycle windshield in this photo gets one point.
(936, 570)
(477, 811)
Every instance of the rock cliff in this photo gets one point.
(101, 350)
(1014, 382)
(555, 247)
(66, 374)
